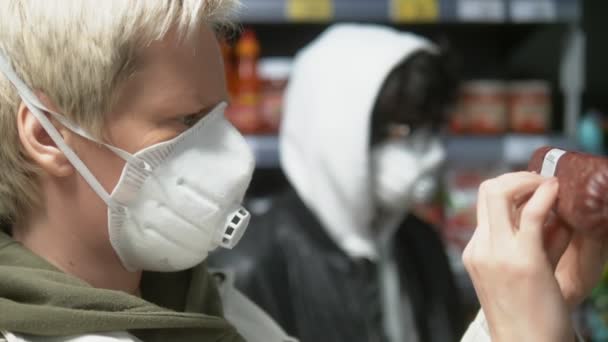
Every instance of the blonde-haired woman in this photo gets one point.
(119, 174)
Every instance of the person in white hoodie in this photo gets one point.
(340, 257)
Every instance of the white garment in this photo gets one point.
(106, 337)
(252, 323)
(478, 331)
(399, 320)
(325, 133)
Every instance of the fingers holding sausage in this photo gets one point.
(501, 196)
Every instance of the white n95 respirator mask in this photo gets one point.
(176, 200)
(405, 170)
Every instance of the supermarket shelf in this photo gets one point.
(511, 149)
(415, 11)
(265, 149)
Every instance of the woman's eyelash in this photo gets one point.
(190, 120)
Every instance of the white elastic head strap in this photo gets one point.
(37, 108)
(126, 156)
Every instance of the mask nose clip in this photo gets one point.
(235, 227)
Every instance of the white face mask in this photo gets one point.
(405, 170)
(176, 200)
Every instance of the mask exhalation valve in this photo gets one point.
(236, 225)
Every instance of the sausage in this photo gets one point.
(582, 200)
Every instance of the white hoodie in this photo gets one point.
(325, 134)
(325, 144)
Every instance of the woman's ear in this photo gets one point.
(39, 146)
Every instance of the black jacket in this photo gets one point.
(288, 265)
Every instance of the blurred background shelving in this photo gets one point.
(441, 11)
(489, 39)
(558, 44)
(512, 149)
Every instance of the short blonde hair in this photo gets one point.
(77, 52)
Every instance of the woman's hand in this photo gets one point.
(581, 267)
(512, 256)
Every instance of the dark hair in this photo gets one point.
(417, 92)
(5, 227)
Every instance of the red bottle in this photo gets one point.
(244, 110)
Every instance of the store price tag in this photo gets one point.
(481, 10)
(310, 10)
(519, 149)
(533, 10)
(415, 10)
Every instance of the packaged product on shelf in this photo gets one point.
(274, 74)
(462, 184)
(431, 212)
(485, 106)
(243, 112)
(229, 68)
(591, 132)
(458, 120)
(595, 312)
(529, 106)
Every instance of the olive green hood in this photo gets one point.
(37, 298)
